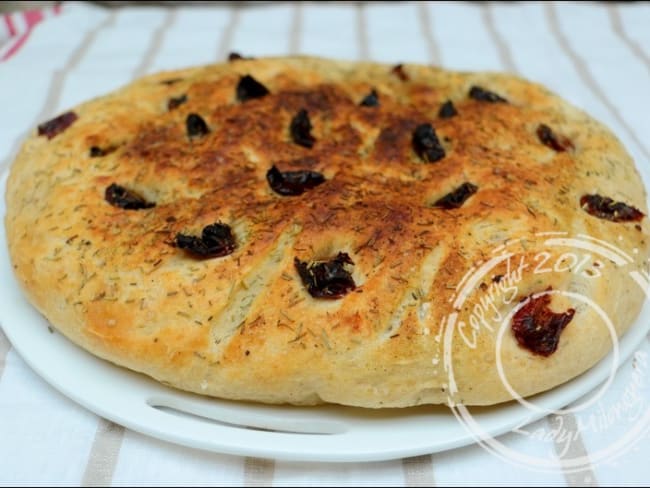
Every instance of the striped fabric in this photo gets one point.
(16, 27)
(597, 55)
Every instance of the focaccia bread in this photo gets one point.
(296, 230)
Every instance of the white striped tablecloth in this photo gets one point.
(596, 55)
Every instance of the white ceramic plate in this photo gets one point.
(327, 433)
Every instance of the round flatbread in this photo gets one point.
(301, 230)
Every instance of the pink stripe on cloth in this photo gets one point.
(31, 18)
(10, 24)
(13, 49)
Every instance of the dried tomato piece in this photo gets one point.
(301, 129)
(249, 88)
(550, 139)
(608, 209)
(216, 240)
(120, 197)
(537, 328)
(196, 126)
(426, 144)
(57, 125)
(171, 81)
(97, 152)
(399, 72)
(371, 99)
(483, 95)
(456, 198)
(327, 279)
(292, 183)
(233, 56)
(176, 102)
(447, 110)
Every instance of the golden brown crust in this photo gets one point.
(243, 326)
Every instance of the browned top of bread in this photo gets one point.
(414, 207)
